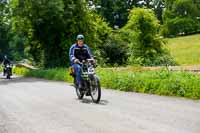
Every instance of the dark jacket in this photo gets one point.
(81, 53)
(6, 61)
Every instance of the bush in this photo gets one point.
(60, 74)
(145, 45)
(1, 68)
(114, 51)
(159, 60)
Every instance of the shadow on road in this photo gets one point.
(89, 101)
(14, 80)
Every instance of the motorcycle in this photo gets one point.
(8, 71)
(90, 82)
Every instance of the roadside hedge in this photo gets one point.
(160, 82)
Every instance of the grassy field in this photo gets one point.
(186, 50)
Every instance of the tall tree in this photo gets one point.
(145, 45)
(51, 27)
(181, 17)
(4, 29)
(114, 11)
(48, 23)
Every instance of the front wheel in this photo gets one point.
(79, 93)
(96, 90)
(8, 76)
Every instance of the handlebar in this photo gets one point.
(87, 61)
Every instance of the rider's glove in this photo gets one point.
(94, 61)
(76, 61)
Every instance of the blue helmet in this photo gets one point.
(80, 37)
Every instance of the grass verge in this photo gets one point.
(160, 82)
(1, 68)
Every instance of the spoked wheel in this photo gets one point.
(8, 75)
(79, 93)
(96, 90)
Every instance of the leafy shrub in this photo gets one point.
(20, 70)
(114, 51)
(59, 74)
(1, 68)
(145, 45)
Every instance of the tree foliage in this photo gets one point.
(44, 30)
(51, 27)
(145, 45)
(114, 51)
(4, 28)
(181, 17)
(116, 11)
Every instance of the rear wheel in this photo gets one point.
(96, 90)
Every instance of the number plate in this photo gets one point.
(90, 70)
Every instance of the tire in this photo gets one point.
(8, 76)
(7, 73)
(79, 94)
(97, 91)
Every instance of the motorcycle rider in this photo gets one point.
(79, 52)
(6, 61)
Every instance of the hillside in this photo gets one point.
(186, 50)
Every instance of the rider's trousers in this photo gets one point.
(77, 69)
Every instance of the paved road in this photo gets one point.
(40, 106)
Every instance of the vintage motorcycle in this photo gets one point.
(8, 70)
(90, 82)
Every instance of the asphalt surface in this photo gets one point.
(40, 106)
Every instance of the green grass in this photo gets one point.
(161, 82)
(186, 50)
(1, 68)
(154, 82)
(59, 74)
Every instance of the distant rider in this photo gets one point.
(6, 61)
